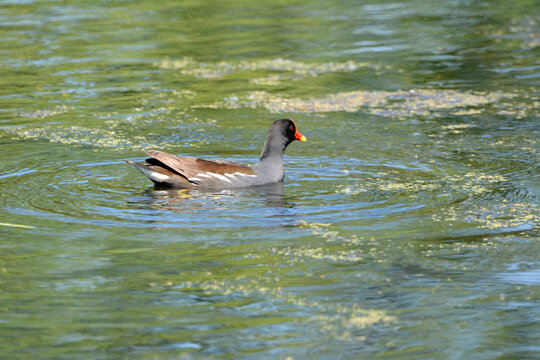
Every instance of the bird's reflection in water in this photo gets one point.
(181, 199)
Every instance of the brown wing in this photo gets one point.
(190, 167)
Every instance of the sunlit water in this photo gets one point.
(406, 227)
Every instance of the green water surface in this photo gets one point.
(407, 226)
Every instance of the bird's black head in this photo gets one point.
(281, 133)
(287, 129)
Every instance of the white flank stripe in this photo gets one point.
(220, 177)
(204, 175)
(242, 174)
(194, 179)
(230, 175)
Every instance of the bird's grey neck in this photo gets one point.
(274, 147)
(270, 165)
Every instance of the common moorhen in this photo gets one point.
(192, 173)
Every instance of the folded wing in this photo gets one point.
(204, 173)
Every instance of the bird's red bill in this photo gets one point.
(298, 135)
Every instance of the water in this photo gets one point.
(407, 225)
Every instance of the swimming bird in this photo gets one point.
(193, 173)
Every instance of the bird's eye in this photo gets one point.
(292, 128)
